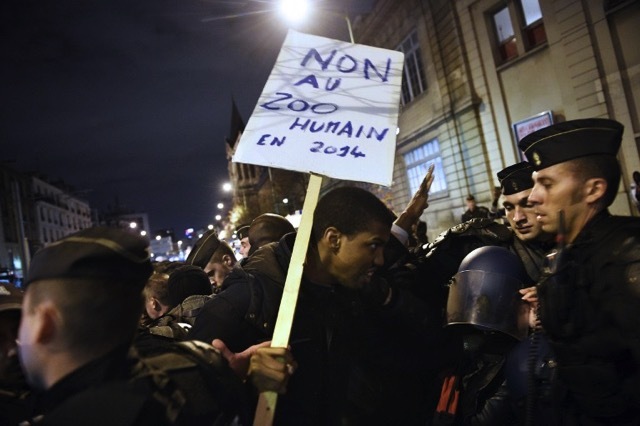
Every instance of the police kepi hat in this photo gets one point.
(571, 139)
(95, 253)
(203, 249)
(243, 232)
(516, 178)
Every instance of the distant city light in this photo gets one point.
(226, 187)
(143, 233)
(285, 200)
(218, 217)
(210, 226)
(133, 225)
(158, 237)
(220, 205)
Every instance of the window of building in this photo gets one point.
(527, 34)
(505, 35)
(413, 79)
(417, 162)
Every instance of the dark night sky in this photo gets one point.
(132, 98)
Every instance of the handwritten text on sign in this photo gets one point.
(329, 107)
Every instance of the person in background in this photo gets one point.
(156, 297)
(418, 237)
(214, 256)
(473, 210)
(268, 228)
(589, 299)
(495, 211)
(182, 295)
(243, 235)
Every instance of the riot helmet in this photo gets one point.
(484, 292)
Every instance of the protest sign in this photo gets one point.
(330, 108)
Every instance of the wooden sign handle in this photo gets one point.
(267, 400)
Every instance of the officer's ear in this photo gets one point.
(154, 304)
(228, 261)
(594, 189)
(45, 323)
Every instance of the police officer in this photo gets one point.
(531, 242)
(79, 316)
(590, 301)
(79, 313)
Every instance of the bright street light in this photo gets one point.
(294, 10)
(210, 226)
(226, 187)
(133, 225)
(285, 200)
(143, 233)
(220, 206)
(218, 217)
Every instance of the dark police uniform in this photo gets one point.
(188, 383)
(589, 304)
(590, 311)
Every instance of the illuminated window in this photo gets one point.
(413, 80)
(530, 28)
(417, 162)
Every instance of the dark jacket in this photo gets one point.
(100, 393)
(333, 332)
(589, 308)
(189, 384)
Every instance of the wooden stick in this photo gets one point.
(267, 401)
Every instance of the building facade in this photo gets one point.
(480, 74)
(33, 214)
(58, 212)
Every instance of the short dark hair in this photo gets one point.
(98, 315)
(223, 249)
(600, 166)
(268, 228)
(351, 210)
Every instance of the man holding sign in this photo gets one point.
(329, 108)
(341, 294)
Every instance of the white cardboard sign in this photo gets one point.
(329, 107)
